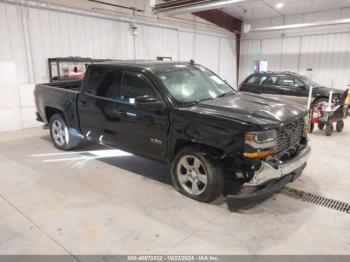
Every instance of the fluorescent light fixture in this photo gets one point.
(196, 7)
(296, 26)
(279, 5)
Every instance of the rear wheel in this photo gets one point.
(62, 137)
(329, 129)
(340, 126)
(197, 175)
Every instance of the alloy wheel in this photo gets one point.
(192, 175)
(59, 133)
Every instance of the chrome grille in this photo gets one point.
(289, 135)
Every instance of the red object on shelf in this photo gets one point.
(73, 73)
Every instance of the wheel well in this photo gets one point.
(50, 111)
(212, 151)
(319, 98)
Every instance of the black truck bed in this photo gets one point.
(71, 84)
(61, 96)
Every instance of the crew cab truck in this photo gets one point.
(185, 115)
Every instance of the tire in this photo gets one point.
(321, 126)
(320, 100)
(340, 126)
(63, 138)
(329, 129)
(191, 167)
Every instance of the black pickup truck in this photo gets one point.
(184, 115)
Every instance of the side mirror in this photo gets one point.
(148, 102)
(302, 87)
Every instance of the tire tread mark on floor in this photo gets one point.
(316, 200)
(38, 227)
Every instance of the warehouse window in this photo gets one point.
(104, 83)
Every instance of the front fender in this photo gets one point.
(222, 134)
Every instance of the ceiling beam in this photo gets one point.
(227, 22)
(221, 19)
(207, 10)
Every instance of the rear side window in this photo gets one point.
(136, 85)
(271, 80)
(104, 82)
(288, 81)
(256, 80)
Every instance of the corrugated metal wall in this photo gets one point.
(327, 54)
(249, 53)
(30, 35)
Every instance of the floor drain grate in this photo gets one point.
(317, 200)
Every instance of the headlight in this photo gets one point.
(261, 139)
(260, 144)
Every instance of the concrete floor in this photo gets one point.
(106, 202)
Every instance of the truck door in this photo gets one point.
(97, 104)
(144, 131)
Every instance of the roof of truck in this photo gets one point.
(153, 65)
(277, 73)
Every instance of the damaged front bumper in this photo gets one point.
(270, 179)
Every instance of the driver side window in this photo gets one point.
(136, 85)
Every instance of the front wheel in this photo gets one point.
(339, 126)
(63, 137)
(197, 175)
(329, 129)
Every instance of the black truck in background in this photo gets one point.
(184, 115)
(289, 86)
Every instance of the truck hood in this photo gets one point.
(251, 108)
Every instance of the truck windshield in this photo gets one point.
(192, 83)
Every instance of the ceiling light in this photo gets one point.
(279, 5)
(296, 26)
(196, 7)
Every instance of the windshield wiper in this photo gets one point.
(224, 94)
(208, 98)
(198, 101)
